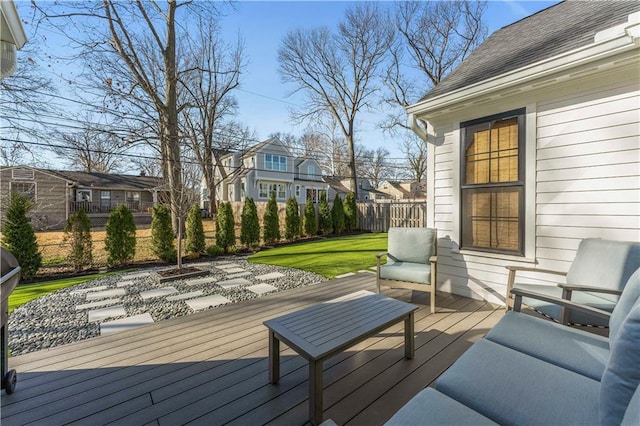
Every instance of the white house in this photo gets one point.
(12, 37)
(266, 167)
(534, 144)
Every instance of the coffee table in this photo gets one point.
(326, 329)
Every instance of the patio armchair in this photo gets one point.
(595, 279)
(411, 261)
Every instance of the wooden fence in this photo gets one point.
(380, 216)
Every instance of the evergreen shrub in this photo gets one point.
(120, 242)
(310, 219)
(292, 220)
(77, 232)
(162, 240)
(350, 212)
(195, 244)
(19, 237)
(337, 213)
(325, 216)
(249, 224)
(271, 221)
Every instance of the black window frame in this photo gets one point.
(519, 185)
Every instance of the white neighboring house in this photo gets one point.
(12, 37)
(266, 167)
(534, 144)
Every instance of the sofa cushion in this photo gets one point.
(622, 375)
(510, 387)
(596, 300)
(604, 263)
(414, 245)
(632, 415)
(630, 296)
(576, 350)
(407, 271)
(432, 407)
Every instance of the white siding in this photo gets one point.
(587, 181)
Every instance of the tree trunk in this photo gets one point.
(352, 164)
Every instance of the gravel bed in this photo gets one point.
(53, 320)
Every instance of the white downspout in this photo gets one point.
(426, 133)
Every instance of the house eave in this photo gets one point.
(617, 41)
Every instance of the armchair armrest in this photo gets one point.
(433, 259)
(569, 287)
(380, 254)
(529, 269)
(519, 293)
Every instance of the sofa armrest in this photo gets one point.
(519, 293)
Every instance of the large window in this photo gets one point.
(275, 162)
(492, 183)
(27, 189)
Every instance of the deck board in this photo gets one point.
(212, 367)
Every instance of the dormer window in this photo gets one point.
(275, 162)
(311, 172)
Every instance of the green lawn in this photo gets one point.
(329, 257)
(27, 292)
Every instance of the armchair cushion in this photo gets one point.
(415, 245)
(499, 383)
(576, 350)
(604, 263)
(622, 375)
(433, 407)
(406, 271)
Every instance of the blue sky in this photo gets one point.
(264, 101)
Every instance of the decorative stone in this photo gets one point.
(110, 327)
(207, 302)
(226, 266)
(125, 283)
(239, 275)
(135, 275)
(103, 313)
(87, 290)
(198, 281)
(158, 292)
(114, 292)
(270, 276)
(234, 282)
(233, 270)
(183, 296)
(97, 304)
(262, 288)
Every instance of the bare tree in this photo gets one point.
(213, 72)
(336, 70)
(92, 151)
(416, 151)
(434, 37)
(375, 166)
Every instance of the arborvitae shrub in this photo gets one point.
(77, 232)
(310, 219)
(195, 244)
(350, 212)
(162, 241)
(325, 217)
(271, 221)
(337, 212)
(18, 236)
(249, 225)
(292, 220)
(215, 250)
(120, 242)
(225, 232)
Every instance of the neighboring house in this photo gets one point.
(408, 190)
(266, 167)
(342, 186)
(534, 144)
(58, 194)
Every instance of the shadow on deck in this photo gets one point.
(212, 367)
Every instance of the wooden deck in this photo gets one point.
(212, 367)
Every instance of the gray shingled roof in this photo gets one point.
(548, 33)
(108, 180)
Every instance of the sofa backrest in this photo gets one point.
(415, 245)
(621, 377)
(604, 263)
(630, 295)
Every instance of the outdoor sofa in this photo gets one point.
(529, 370)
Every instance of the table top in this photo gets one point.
(321, 330)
